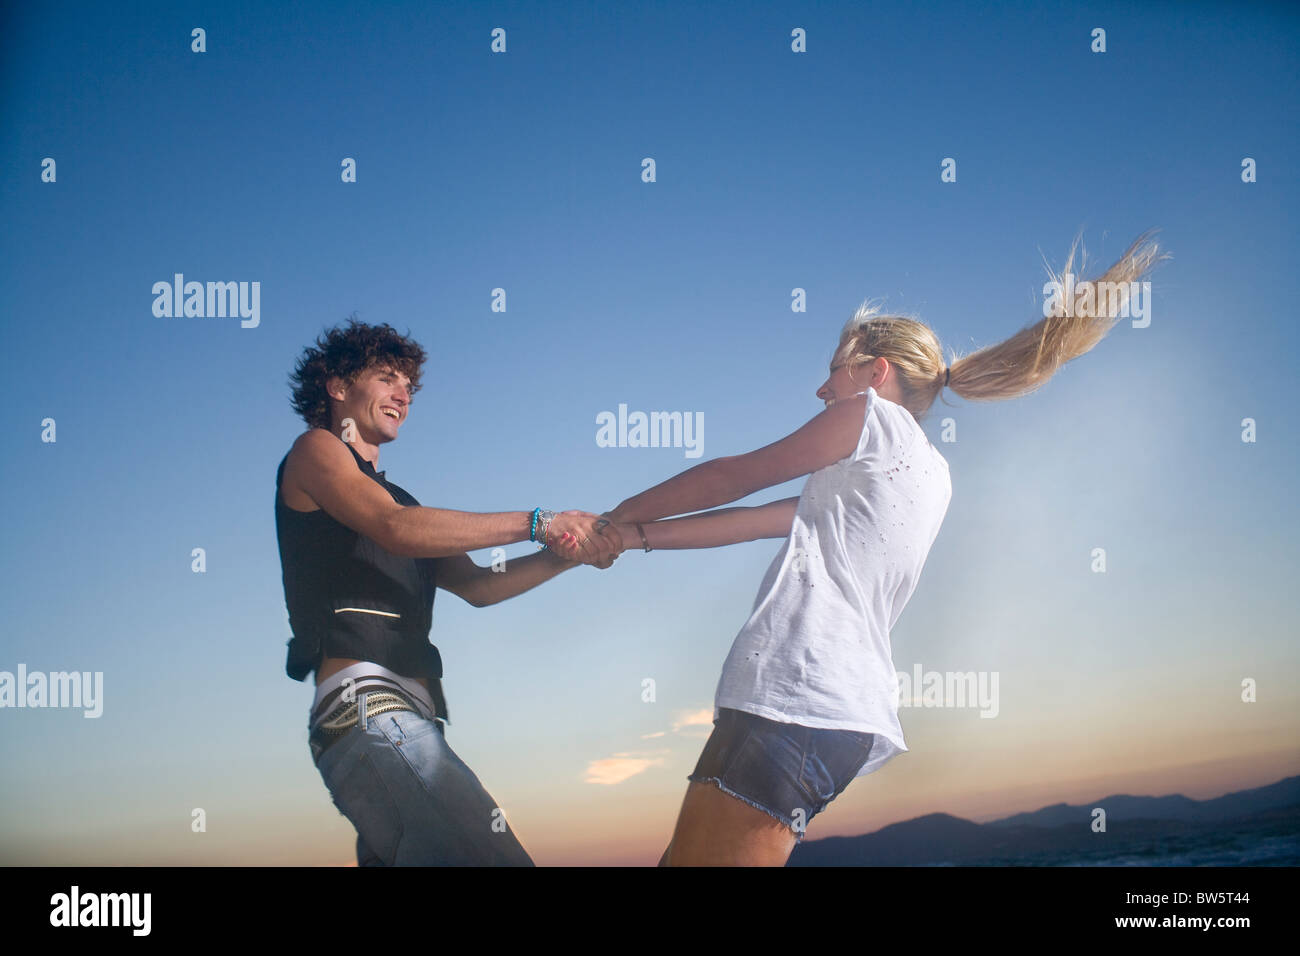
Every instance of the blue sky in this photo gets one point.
(522, 171)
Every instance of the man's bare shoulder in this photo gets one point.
(318, 447)
(316, 438)
(314, 451)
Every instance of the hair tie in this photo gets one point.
(946, 373)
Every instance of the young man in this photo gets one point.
(361, 560)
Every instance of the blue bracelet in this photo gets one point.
(532, 532)
(542, 518)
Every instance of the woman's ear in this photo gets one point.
(880, 371)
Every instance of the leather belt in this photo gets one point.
(335, 725)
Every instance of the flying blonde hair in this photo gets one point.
(1015, 367)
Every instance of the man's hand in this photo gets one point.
(582, 536)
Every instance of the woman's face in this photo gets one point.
(841, 384)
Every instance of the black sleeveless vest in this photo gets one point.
(349, 597)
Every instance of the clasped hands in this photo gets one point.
(584, 537)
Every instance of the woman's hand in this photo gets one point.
(582, 536)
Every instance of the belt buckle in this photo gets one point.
(332, 728)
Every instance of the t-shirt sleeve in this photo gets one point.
(869, 428)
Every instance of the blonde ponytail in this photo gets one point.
(1015, 367)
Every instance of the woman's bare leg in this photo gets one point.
(717, 829)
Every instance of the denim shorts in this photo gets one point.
(788, 771)
(412, 800)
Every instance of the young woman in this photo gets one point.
(808, 697)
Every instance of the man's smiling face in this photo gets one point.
(378, 402)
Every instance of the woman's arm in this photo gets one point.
(715, 528)
(831, 436)
(482, 587)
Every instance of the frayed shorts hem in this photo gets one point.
(788, 771)
(786, 821)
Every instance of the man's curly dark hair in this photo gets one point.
(348, 352)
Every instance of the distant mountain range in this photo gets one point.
(1249, 827)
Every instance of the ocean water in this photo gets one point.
(1274, 851)
(1248, 843)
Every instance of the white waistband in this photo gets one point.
(357, 672)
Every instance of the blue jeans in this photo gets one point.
(412, 800)
(788, 771)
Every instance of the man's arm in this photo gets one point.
(321, 465)
(482, 586)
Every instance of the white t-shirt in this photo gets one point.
(815, 650)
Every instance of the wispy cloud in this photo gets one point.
(622, 766)
(689, 723)
(611, 770)
(695, 723)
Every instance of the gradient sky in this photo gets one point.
(521, 170)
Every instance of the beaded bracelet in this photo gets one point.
(544, 518)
